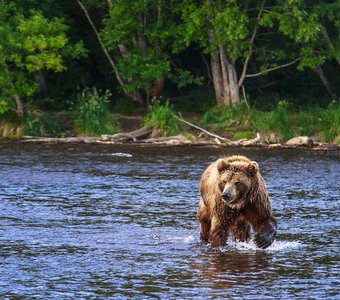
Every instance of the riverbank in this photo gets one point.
(163, 125)
(141, 137)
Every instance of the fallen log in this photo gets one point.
(253, 141)
(170, 140)
(127, 136)
(78, 139)
(245, 142)
(215, 136)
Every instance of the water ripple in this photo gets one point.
(89, 221)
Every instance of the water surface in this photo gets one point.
(85, 221)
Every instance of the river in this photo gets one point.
(98, 222)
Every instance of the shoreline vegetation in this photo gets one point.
(236, 73)
(282, 127)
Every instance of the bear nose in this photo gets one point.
(226, 195)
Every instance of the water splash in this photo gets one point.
(276, 246)
(121, 154)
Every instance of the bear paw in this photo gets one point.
(264, 238)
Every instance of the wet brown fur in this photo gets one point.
(251, 208)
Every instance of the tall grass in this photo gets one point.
(43, 125)
(284, 120)
(92, 113)
(161, 118)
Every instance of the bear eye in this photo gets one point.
(238, 183)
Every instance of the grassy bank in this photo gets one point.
(91, 116)
(284, 121)
(279, 124)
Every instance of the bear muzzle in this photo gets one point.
(228, 195)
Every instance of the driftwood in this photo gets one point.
(245, 142)
(253, 141)
(134, 136)
(300, 141)
(170, 140)
(216, 137)
(78, 139)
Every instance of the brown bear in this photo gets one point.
(233, 197)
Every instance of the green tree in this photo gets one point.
(229, 32)
(29, 43)
(325, 45)
(136, 38)
(130, 41)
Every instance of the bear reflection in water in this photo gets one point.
(228, 269)
(233, 198)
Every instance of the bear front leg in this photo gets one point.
(240, 230)
(205, 222)
(265, 233)
(218, 234)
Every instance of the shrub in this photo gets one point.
(242, 135)
(44, 126)
(161, 118)
(332, 121)
(92, 112)
(283, 119)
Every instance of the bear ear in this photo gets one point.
(253, 167)
(222, 165)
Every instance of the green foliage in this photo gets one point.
(198, 100)
(29, 42)
(43, 126)
(279, 120)
(161, 118)
(172, 40)
(243, 135)
(3, 105)
(331, 118)
(141, 66)
(226, 116)
(91, 112)
(283, 120)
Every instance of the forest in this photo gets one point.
(235, 67)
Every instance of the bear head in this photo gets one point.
(235, 181)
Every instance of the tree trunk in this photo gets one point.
(227, 90)
(225, 76)
(20, 107)
(234, 87)
(42, 82)
(318, 70)
(216, 73)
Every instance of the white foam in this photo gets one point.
(276, 246)
(185, 239)
(121, 154)
(189, 239)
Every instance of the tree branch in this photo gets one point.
(112, 63)
(251, 42)
(273, 69)
(329, 42)
(180, 118)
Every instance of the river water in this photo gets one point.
(101, 222)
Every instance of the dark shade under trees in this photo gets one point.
(140, 50)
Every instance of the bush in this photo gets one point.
(226, 116)
(92, 113)
(331, 117)
(283, 119)
(243, 135)
(44, 126)
(161, 118)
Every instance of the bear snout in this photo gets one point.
(227, 195)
